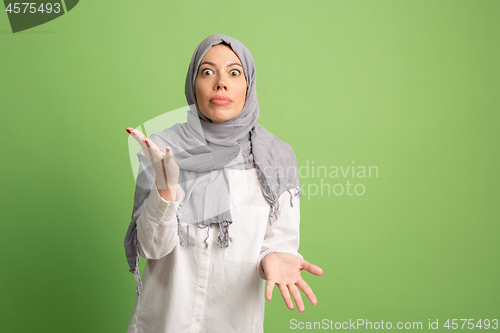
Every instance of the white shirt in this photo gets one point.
(210, 289)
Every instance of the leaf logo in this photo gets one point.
(26, 15)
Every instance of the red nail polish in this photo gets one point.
(128, 130)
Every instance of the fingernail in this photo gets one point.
(168, 149)
(128, 130)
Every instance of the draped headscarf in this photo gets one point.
(205, 150)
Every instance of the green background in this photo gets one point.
(411, 87)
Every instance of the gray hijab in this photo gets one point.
(205, 150)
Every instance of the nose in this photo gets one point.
(220, 85)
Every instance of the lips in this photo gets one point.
(221, 100)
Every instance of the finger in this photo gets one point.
(313, 269)
(153, 148)
(136, 134)
(150, 149)
(168, 153)
(286, 296)
(152, 156)
(297, 297)
(269, 290)
(129, 130)
(143, 140)
(308, 291)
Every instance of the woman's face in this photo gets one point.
(220, 85)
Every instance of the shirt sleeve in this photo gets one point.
(157, 225)
(283, 234)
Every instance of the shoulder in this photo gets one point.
(270, 142)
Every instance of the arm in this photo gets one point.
(157, 225)
(283, 235)
(281, 264)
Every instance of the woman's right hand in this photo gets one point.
(166, 170)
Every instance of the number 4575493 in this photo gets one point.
(43, 8)
(486, 324)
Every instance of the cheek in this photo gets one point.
(198, 87)
(200, 96)
(243, 91)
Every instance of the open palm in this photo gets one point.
(283, 270)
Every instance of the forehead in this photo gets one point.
(220, 52)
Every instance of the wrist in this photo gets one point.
(168, 193)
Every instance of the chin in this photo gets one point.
(219, 120)
(222, 116)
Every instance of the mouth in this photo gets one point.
(221, 100)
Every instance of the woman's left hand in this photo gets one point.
(283, 269)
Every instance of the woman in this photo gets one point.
(220, 171)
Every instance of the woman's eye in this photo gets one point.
(235, 72)
(204, 72)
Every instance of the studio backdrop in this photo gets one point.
(390, 106)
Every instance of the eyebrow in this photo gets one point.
(228, 65)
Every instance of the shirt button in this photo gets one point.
(198, 319)
(202, 285)
(205, 252)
